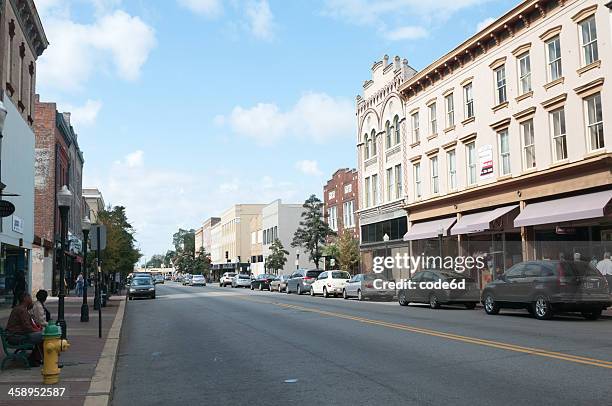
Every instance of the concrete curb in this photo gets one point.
(101, 386)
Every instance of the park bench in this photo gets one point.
(17, 352)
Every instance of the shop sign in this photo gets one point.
(485, 157)
(18, 225)
(565, 230)
(6, 208)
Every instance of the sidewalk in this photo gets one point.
(88, 364)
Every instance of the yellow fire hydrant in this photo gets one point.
(52, 346)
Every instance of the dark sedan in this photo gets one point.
(141, 287)
(428, 288)
(262, 282)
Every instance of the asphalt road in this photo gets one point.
(223, 346)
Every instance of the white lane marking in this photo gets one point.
(197, 294)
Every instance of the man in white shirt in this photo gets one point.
(605, 267)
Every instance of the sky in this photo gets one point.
(186, 107)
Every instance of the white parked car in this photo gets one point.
(198, 280)
(226, 279)
(330, 283)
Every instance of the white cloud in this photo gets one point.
(316, 116)
(208, 8)
(484, 23)
(308, 167)
(77, 51)
(85, 115)
(135, 159)
(406, 33)
(260, 19)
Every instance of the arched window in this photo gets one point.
(388, 134)
(396, 127)
(366, 144)
(373, 148)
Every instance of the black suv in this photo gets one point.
(546, 287)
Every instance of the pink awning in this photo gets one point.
(429, 229)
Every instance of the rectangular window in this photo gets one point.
(589, 40)
(374, 190)
(529, 159)
(415, 127)
(557, 119)
(524, 62)
(367, 192)
(553, 48)
(332, 221)
(504, 152)
(471, 162)
(389, 184)
(469, 101)
(452, 170)
(433, 122)
(417, 180)
(396, 129)
(500, 85)
(348, 188)
(595, 122)
(348, 214)
(398, 182)
(450, 110)
(435, 180)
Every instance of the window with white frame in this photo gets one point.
(374, 190)
(450, 110)
(348, 188)
(588, 37)
(415, 127)
(374, 147)
(435, 179)
(468, 99)
(398, 181)
(504, 152)
(524, 63)
(366, 146)
(451, 159)
(470, 150)
(332, 219)
(348, 209)
(417, 180)
(433, 122)
(396, 129)
(331, 195)
(389, 184)
(528, 137)
(500, 85)
(388, 134)
(557, 122)
(594, 122)
(553, 52)
(367, 198)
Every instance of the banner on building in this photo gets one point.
(485, 157)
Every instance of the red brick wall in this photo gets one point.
(337, 183)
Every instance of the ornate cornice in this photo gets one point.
(30, 24)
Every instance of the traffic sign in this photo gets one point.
(6, 208)
(95, 230)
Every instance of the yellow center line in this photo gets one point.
(472, 340)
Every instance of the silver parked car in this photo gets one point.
(241, 280)
(280, 283)
(362, 286)
(198, 280)
(300, 281)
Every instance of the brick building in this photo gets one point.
(58, 162)
(341, 201)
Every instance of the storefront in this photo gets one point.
(14, 263)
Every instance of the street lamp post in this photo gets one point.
(86, 226)
(440, 234)
(297, 259)
(386, 240)
(3, 113)
(64, 198)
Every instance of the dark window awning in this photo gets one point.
(481, 221)
(429, 229)
(590, 205)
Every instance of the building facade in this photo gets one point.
(206, 233)
(22, 41)
(341, 201)
(198, 239)
(381, 152)
(509, 139)
(94, 203)
(257, 258)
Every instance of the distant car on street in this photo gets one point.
(198, 280)
(241, 280)
(362, 287)
(186, 279)
(279, 283)
(262, 281)
(330, 283)
(300, 281)
(226, 279)
(141, 286)
(547, 287)
(468, 297)
(158, 278)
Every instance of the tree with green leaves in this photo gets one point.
(313, 230)
(169, 259)
(184, 240)
(156, 261)
(120, 254)
(201, 263)
(277, 258)
(331, 252)
(348, 252)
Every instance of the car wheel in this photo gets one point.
(470, 306)
(325, 295)
(311, 291)
(287, 291)
(433, 301)
(299, 290)
(260, 286)
(490, 306)
(592, 315)
(542, 308)
(401, 298)
(359, 295)
(153, 296)
(252, 287)
(344, 295)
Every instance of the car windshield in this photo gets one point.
(141, 281)
(341, 275)
(230, 275)
(313, 274)
(455, 275)
(242, 276)
(198, 277)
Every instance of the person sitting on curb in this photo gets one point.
(21, 329)
(40, 314)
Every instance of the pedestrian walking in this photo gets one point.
(605, 267)
(79, 285)
(19, 287)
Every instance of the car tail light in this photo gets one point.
(329, 285)
(307, 278)
(369, 285)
